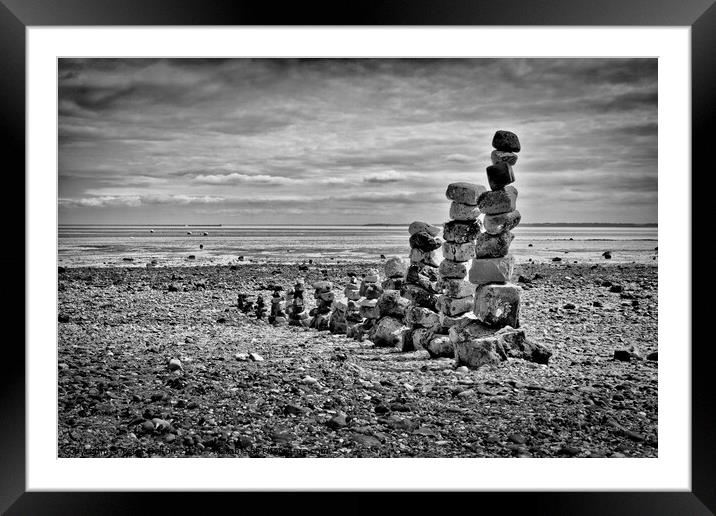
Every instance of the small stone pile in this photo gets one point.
(260, 309)
(320, 315)
(243, 303)
(457, 295)
(419, 285)
(369, 290)
(297, 315)
(390, 329)
(277, 316)
(353, 316)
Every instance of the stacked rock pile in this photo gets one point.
(320, 315)
(337, 322)
(369, 291)
(277, 315)
(260, 309)
(390, 329)
(353, 317)
(243, 303)
(497, 301)
(491, 334)
(419, 284)
(297, 315)
(457, 295)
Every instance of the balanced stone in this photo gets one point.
(395, 267)
(464, 193)
(440, 346)
(322, 286)
(372, 276)
(493, 246)
(458, 252)
(373, 291)
(457, 288)
(506, 141)
(423, 317)
(448, 321)
(424, 242)
(450, 269)
(417, 275)
(418, 227)
(426, 258)
(391, 303)
(463, 212)
(326, 296)
(498, 305)
(498, 201)
(500, 175)
(492, 270)
(352, 292)
(419, 296)
(454, 306)
(461, 232)
(369, 309)
(496, 224)
(508, 157)
(393, 284)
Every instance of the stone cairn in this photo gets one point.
(337, 322)
(260, 309)
(490, 333)
(390, 329)
(277, 315)
(297, 315)
(457, 295)
(353, 316)
(419, 285)
(320, 315)
(369, 291)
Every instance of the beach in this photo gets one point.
(120, 324)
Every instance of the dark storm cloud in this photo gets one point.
(366, 140)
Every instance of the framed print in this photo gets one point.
(419, 248)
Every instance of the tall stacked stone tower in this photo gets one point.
(497, 301)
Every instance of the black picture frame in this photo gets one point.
(17, 15)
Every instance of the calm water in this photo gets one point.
(171, 245)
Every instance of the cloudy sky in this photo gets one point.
(351, 141)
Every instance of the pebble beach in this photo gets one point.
(246, 388)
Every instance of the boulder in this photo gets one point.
(418, 227)
(395, 267)
(496, 224)
(456, 288)
(464, 193)
(426, 258)
(476, 353)
(458, 252)
(450, 269)
(424, 242)
(498, 201)
(454, 306)
(369, 309)
(469, 328)
(493, 246)
(440, 346)
(423, 317)
(392, 303)
(420, 337)
(461, 232)
(500, 175)
(492, 270)
(388, 331)
(498, 305)
(506, 141)
(463, 212)
(508, 157)
(419, 296)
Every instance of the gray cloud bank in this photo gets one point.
(356, 140)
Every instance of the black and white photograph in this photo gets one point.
(357, 257)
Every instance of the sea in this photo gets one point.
(164, 245)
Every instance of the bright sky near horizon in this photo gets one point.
(351, 141)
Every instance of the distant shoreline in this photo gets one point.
(526, 224)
